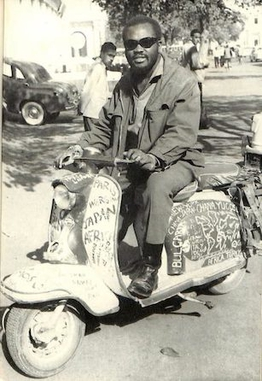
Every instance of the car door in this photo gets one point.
(14, 86)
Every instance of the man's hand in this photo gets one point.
(144, 160)
(68, 157)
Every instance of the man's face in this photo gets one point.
(141, 58)
(108, 57)
(196, 38)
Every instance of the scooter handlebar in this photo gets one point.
(103, 161)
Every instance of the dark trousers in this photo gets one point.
(88, 122)
(203, 124)
(149, 201)
(216, 61)
(201, 92)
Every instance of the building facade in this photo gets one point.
(252, 33)
(252, 15)
(86, 24)
(62, 35)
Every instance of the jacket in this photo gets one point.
(170, 124)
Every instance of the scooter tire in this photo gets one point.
(33, 357)
(228, 283)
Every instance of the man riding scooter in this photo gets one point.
(152, 118)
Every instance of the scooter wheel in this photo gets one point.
(228, 283)
(39, 352)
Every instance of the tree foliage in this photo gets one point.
(178, 17)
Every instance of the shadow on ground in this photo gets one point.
(229, 120)
(131, 312)
(28, 152)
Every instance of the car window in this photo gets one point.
(41, 74)
(7, 70)
(19, 74)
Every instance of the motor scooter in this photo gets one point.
(87, 270)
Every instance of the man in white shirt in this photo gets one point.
(95, 92)
(195, 58)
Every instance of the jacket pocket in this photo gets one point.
(155, 123)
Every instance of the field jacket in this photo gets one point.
(170, 123)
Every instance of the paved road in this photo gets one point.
(222, 344)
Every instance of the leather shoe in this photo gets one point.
(143, 286)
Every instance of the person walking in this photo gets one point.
(195, 58)
(227, 57)
(217, 57)
(152, 119)
(95, 92)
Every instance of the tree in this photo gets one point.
(177, 17)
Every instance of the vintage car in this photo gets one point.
(29, 89)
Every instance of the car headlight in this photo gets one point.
(63, 198)
(59, 91)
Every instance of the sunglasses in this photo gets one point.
(145, 42)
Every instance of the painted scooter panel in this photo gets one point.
(100, 229)
(47, 282)
(202, 233)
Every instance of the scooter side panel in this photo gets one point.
(60, 281)
(202, 233)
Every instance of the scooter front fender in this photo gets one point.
(46, 282)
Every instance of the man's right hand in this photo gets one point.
(68, 156)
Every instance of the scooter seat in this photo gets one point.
(186, 192)
(214, 174)
(217, 174)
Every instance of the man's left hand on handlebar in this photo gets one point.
(144, 160)
(68, 156)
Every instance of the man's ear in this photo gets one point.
(160, 45)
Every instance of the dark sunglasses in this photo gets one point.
(145, 42)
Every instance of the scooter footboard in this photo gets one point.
(46, 282)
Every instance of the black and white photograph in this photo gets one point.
(131, 190)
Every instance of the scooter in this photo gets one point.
(87, 270)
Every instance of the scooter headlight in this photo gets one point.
(63, 198)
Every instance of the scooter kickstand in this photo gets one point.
(208, 304)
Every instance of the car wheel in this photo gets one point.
(33, 113)
(52, 117)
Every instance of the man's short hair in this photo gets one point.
(141, 19)
(194, 31)
(108, 46)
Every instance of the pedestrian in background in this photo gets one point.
(152, 118)
(217, 57)
(95, 92)
(240, 54)
(195, 58)
(227, 57)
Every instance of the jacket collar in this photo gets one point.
(169, 68)
(166, 69)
